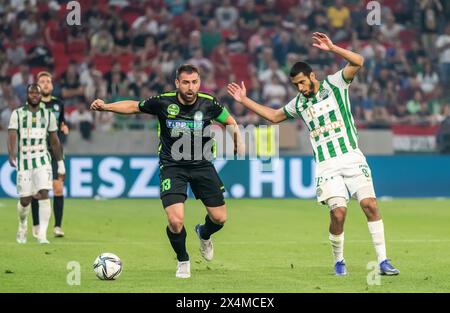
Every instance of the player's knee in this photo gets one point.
(219, 217)
(43, 194)
(176, 225)
(57, 188)
(25, 201)
(370, 207)
(338, 215)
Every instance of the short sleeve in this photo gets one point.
(14, 120)
(151, 105)
(291, 109)
(338, 80)
(52, 126)
(219, 112)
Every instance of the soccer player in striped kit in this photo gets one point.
(29, 127)
(341, 167)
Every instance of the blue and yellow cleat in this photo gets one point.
(386, 268)
(340, 269)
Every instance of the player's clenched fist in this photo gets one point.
(98, 105)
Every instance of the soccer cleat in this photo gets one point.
(183, 269)
(43, 241)
(386, 268)
(206, 246)
(58, 232)
(35, 231)
(340, 269)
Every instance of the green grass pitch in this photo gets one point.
(267, 245)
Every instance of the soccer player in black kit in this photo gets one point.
(185, 153)
(55, 105)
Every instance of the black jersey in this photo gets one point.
(56, 106)
(185, 138)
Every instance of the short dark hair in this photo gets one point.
(187, 68)
(300, 67)
(34, 86)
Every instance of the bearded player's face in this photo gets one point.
(46, 85)
(304, 84)
(188, 85)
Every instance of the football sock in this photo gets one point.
(337, 245)
(45, 211)
(376, 229)
(178, 242)
(35, 211)
(209, 228)
(58, 203)
(22, 212)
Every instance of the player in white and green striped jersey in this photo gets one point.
(29, 126)
(341, 168)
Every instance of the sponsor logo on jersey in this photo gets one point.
(184, 124)
(326, 128)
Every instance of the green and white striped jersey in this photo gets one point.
(328, 117)
(32, 131)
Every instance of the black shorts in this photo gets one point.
(204, 181)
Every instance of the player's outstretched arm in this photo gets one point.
(355, 60)
(122, 107)
(239, 93)
(12, 139)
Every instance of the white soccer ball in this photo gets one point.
(107, 266)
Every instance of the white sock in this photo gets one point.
(337, 245)
(376, 229)
(22, 212)
(45, 212)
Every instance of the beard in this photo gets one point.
(310, 93)
(46, 94)
(187, 98)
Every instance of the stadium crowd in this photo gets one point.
(130, 49)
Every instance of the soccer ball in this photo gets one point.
(107, 266)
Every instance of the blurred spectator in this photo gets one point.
(71, 89)
(428, 79)
(248, 21)
(274, 92)
(338, 14)
(102, 42)
(210, 37)
(29, 27)
(430, 11)
(227, 15)
(274, 70)
(104, 121)
(96, 89)
(269, 16)
(15, 53)
(122, 44)
(82, 120)
(205, 13)
(21, 80)
(148, 22)
(390, 29)
(415, 104)
(443, 48)
(12, 104)
(40, 55)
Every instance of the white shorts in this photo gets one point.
(30, 182)
(339, 176)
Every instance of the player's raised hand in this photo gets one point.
(98, 105)
(237, 92)
(64, 129)
(322, 41)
